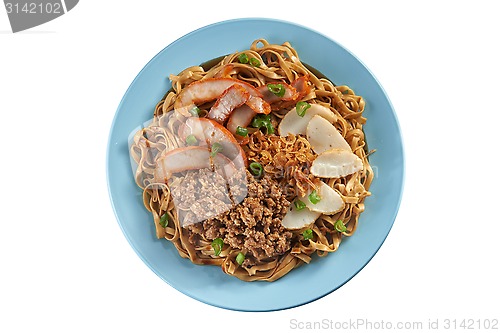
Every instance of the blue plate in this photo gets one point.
(208, 283)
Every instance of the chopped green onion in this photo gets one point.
(314, 197)
(242, 131)
(216, 148)
(259, 120)
(243, 58)
(301, 108)
(255, 62)
(217, 245)
(164, 220)
(339, 226)
(256, 169)
(195, 111)
(191, 140)
(269, 128)
(263, 120)
(240, 258)
(307, 234)
(276, 88)
(299, 204)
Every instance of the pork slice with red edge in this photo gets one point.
(231, 186)
(195, 158)
(210, 89)
(211, 132)
(181, 159)
(289, 94)
(301, 85)
(242, 117)
(231, 98)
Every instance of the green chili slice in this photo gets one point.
(217, 245)
(164, 220)
(195, 111)
(307, 234)
(276, 88)
(299, 205)
(243, 58)
(242, 131)
(339, 226)
(255, 62)
(256, 169)
(240, 258)
(263, 120)
(259, 120)
(269, 128)
(216, 148)
(191, 140)
(301, 108)
(314, 198)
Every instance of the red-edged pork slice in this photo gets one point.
(304, 92)
(210, 89)
(211, 132)
(301, 85)
(231, 98)
(241, 116)
(192, 158)
(270, 97)
(181, 159)
(258, 105)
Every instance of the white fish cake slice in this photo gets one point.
(330, 201)
(336, 163)
(297, 219)
(323, 136)
(294, 124)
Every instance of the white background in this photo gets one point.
(65, 266)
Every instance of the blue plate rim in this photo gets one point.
(240, 20)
